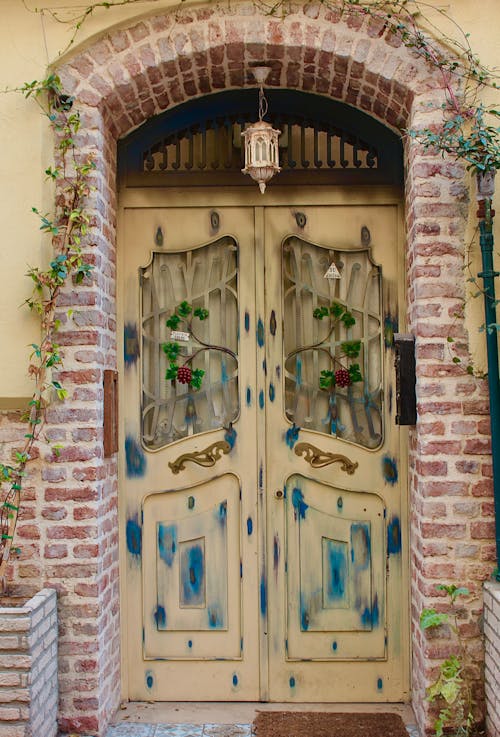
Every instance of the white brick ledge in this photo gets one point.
(492, 656)
(28, 667)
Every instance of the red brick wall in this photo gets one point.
(69, 527)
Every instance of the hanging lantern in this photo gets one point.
(261, 141)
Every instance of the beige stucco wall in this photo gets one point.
(29, 42)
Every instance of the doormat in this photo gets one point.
(327, 724)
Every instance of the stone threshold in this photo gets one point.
(186, 719)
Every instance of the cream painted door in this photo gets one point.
(336, 574)
(258, 564)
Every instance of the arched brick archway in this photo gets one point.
(120, 81)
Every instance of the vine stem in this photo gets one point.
(66, 231)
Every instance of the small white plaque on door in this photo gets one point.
(332, 272)
(179, 335)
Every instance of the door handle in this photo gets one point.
(206, 458)
(319, 458)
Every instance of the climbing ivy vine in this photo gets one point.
(66, 227)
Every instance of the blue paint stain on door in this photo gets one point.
(222, 513)
(130, 344)
(390, 470)
(247, 321)
(272, 392)
(394, 536)
(134, 537)
(260, 333)
(249, 397)
(263, 595)
(215, 619)
(292, 435)
(272, 323)
(135, 458)
(149, 679)
(261, 399)
(298, 372)
(366, 617)
(249, 526)
(335, 557)
(192, 574)
(304, 616)
(167, 543)
(160, 617)
(230, 436)
(360, 545)
(276, 553)
(299, 504)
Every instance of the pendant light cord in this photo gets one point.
(262, 103)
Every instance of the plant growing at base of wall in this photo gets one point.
(66, 228)
(452, 689)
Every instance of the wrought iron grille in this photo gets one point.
(206, 277)
(353, 413)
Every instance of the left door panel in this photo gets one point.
(188, 468)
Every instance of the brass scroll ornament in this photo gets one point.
(207, 457)
(318, 458)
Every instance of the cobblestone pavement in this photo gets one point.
(179, 730)
(133, 729)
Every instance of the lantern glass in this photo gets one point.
(261, 152)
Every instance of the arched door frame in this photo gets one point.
(160, 61)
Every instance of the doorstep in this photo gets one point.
(191, 719)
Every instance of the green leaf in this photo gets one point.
(355, 373)
(336, 310)
(450, 691)
(171, 350)
(197, 378)
(173, 322)
(171, 372)
(431, 618)
(201, 313)
(320, 312)
(348, 319)
(327, 380)
(351, 348)
(184, 309)
(451, 667)
(453, 591)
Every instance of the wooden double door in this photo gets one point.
(262, 486)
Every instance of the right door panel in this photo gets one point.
(337, 549)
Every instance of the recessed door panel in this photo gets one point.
(335, 579)
(192, 602)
